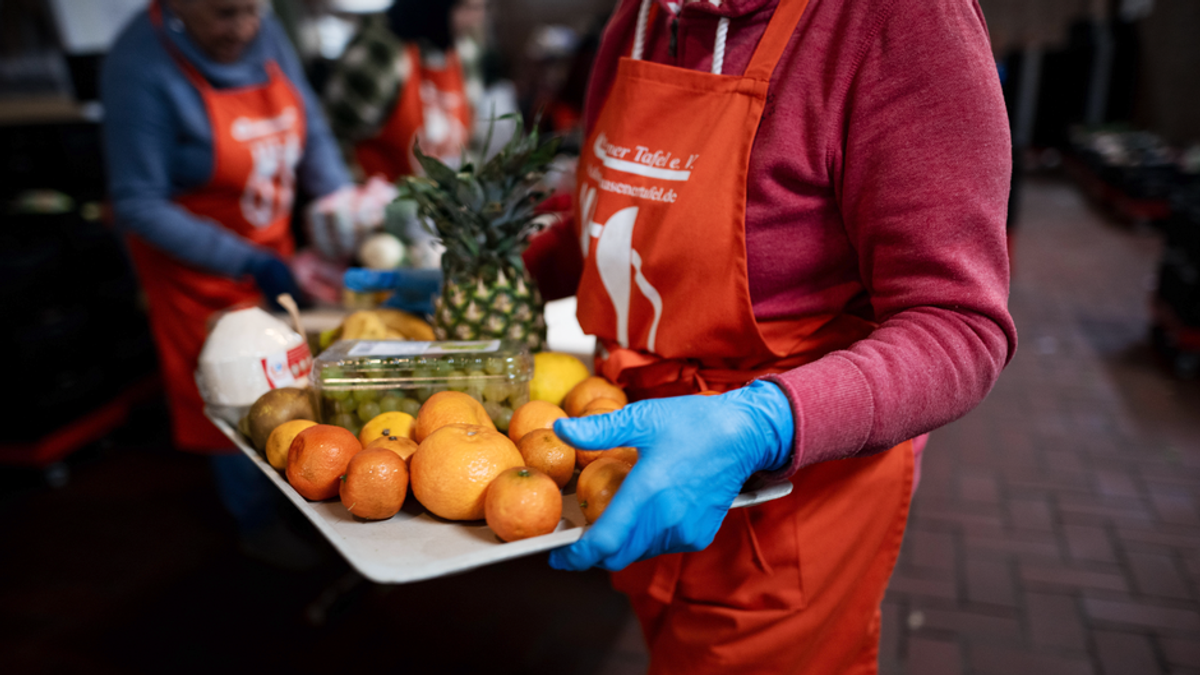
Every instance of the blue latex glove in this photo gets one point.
(274, 277)
(694, 455)
(415, 289)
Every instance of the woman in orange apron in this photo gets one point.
(203, 182)
(674, 197)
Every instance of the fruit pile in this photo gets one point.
(451, 456)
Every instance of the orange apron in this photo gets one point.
(432, 111)
(793, 585)
(258, 138)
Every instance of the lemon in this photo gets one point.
(394, 423)
(554, 374)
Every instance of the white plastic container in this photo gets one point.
(248, 353)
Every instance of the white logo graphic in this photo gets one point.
(275, 148)
(618, 265)
(442, 133)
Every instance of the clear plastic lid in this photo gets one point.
(384, 364)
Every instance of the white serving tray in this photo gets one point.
(414, 545)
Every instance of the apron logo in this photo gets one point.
(246, 129)
(270, 186)
(658, 164)
(442, 133)
(619, 265)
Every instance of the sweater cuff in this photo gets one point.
(833, 411)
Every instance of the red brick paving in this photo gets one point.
(1057, 526)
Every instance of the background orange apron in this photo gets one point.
(432, 111)
(258, 138)
(794, 585)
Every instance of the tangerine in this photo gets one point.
(533, 415)
(281, 439)
(585, 457)
(375, 484)
(401, 445)
(542, 449)
(603, 404)
(588, 390)
(318, 457)
(453, 466)
(597, 484)
(392, 423)
(449, 407)
(522, 502)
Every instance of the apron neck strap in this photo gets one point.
(770, 47)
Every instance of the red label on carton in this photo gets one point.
(285, 369)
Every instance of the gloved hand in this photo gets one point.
(338, 222)
(414, 289)
(273, 276)
(694, 455)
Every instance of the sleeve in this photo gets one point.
(139, 131)
(923, 190)
(321, 170)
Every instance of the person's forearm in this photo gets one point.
(195, 241)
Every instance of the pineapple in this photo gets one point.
(483, 215)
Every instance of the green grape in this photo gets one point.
(458, 380)
(364, 395)
(332, 373)
(337, 394)
(501, 415)
(494, 366)
(410, 406)
(344, 420)
(368, 410)
(423, 393)
(518, 397)
(495, 391)
(389, 403)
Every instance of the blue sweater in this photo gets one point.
(158, 141)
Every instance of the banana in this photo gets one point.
(408, 325)
(364, 325)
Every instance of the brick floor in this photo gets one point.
(1057, 527)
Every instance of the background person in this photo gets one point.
(400, 80)
(210, 130)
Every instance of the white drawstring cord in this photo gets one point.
(719, 47)
(639, 38)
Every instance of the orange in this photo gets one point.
(603, 404)
(585, 457)
(533, 415)
(281, 439)
(453, 466)
(401, 445)
(375, 484)
(522, 502)
(588, 390)
(542, 449)
(449, 407)
(394, 423)
(597, 484)
(318, 457)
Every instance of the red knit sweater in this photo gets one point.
(878, 185)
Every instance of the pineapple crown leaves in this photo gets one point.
(483, 213)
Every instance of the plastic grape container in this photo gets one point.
(355, 380)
